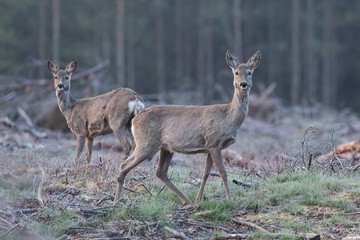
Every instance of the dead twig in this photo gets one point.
(11, 229)
(177, 234)
(147, 189)
(252, 225)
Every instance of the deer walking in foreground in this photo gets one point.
(191, 129)
(95, 116)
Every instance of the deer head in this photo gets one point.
(242, 72)
(62, 77)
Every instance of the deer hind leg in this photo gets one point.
(216, 157)
(80, 146)
(161, 172)
(120, 133)
(89, 145)
(135, 159)
(207, 169)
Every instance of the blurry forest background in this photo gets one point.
(310, 48)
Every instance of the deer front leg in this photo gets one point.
(216, 157)
(80, 146)
(120, 134)
(89, 145)
(132, 138)
(161, 172)
(207, 169)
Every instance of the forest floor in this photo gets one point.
(290, 187)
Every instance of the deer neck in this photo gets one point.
(239, 105)
(65, 101)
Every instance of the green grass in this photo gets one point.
(218, 211)
(290, 193)
(311, 189)
(341, 220)
(56, 223)
(292, 208)
(152, 209)
(284, 235)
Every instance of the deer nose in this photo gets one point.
(243, 85)
(60, 86)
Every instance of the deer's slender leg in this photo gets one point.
(207, 169)
(161, 172)
(120, 133)
(80, 145)
(216, 157)
(135, 159)
(133, 145)
(89, 145)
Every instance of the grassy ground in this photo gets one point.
(288, 205)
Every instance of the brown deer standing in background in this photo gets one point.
(100, 115)
(191, 129)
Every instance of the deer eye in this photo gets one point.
(67, 78)
(55, 77)
(249, 73)
(236, 73)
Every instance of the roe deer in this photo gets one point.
(100, 115)
(191, 129)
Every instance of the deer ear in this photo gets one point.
(231, 59)
(254, 61)
(52, 66)
(71, 67)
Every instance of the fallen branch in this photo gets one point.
(252, 225)
(204, 213)
(11, 229)
(25, 116)
(46, 82)
(266, 93)
(241, 183)
(177, 234)
(232, 236)
(22, 127)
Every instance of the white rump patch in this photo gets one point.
(136, 106)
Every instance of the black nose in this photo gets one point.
(60, 85)
(243, 84)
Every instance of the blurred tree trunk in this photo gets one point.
(209, 57)
(310, 70)
(120, 42)
(179, 41)
(130, 59)
(42, 36)
(188, 55)
(248, 39)
(202, 48)
(295, 55)
(55, 29)
(272, 59)
(326, 76)
(160, 63)
(205, 52)
(237, 28)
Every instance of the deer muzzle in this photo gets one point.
(60, 86)
(243, 85)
